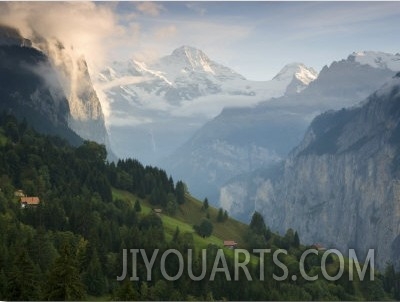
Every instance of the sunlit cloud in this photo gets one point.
(83, 26)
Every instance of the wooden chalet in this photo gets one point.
(29, 201)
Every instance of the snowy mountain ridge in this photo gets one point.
(186, 89)
(188, 66)
(186, 60)
(298, 70)
(377, 59)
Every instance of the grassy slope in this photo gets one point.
(189, 214)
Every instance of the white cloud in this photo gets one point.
(122, 81)
(211, 106)
(149, 8)
(121, 119)
(83, 26)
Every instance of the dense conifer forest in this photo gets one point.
(70, 246)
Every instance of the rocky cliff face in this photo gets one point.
(341, 185)
(45, 76)
(86, 115)
(29, 87)
(242, 140)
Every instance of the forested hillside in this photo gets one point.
(70, 245)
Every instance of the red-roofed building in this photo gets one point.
(230, 243)
(318, 247)
(29, 201)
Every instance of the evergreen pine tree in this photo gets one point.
(171, 207)
(3, 285)
(176, 235)
(205, 228)
(296, 240)
(397, 287)
(138, 207)
(205, 204)
(82, 256)
(43, 250)
(180, 192)
(94, 279)
(220, 217)
(126, 292)
(64, 282)
(23, 279)
(225, 215)
(209, 296)
(257, 224)
(144, 292)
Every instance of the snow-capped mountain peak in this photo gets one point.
(188, 51)
(295, 77)
(306, 74)
(193, 57)
(186, 61)
(297, 70)
(377, 59)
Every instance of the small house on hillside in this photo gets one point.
(230, 244)
(29, 202)
(319, 247)
(157, 211)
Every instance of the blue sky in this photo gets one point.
(258, 38)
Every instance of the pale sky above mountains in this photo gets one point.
(254, 38)
(258, 38)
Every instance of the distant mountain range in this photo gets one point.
(241, 140)
(341, 185)
(157, 106)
